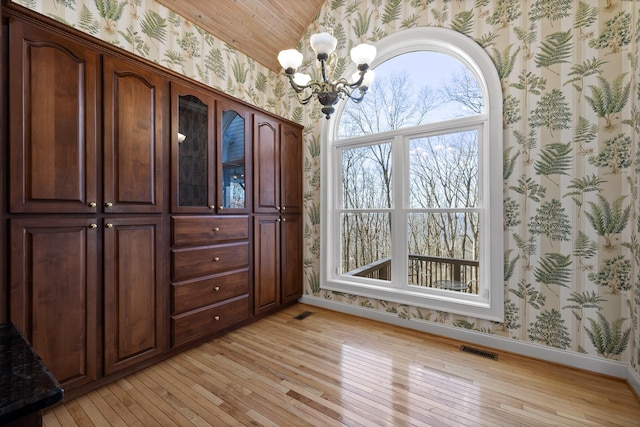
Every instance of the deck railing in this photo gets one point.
(428, 271)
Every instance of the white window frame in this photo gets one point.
(489, 304)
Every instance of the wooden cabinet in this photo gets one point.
(277, 151)
(53, 84)
(132, 138)
(211, 155)
(277, 238)
(210, 275)
(55, 293)
(133, 291)
(278, 261)
(105, 152)
(85, 138)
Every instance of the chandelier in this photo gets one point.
(328, 90)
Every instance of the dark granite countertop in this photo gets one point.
(26, 385)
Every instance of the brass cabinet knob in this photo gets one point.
(216, 318)
(108, 204)
(278, 220)
(216, 228)
(220, 208)
(216, 259)
(92, 204)
(108, 225)
(216, 288)
(277, 207)
(93, 225)
(284, 219)
(283, 208)
(212, 207)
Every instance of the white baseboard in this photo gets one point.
(572, 359)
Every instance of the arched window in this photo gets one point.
(412, 179)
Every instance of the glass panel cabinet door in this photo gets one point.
(192, 142)
(234, 138)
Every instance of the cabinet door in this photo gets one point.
(234, 158)
(52, 122)
(266, 152)
(266, 262)
(291, 254)
(134, 295)
(54, 293)
(290, 169)
(132, 138)
(192, 150)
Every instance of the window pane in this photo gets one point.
(366, 177)
(443, 250)
(366, 244)
(443, 171)
(413, 89)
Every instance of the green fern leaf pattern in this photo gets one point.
(410, 21)
(555, 159)
(463, 22)
(154, 26)
(392, 11)
(214, 62)
(86, 22)
(607, 218)
(609, 98)
(555, 49)
(362, 24)
(608, 338)
(553, 269)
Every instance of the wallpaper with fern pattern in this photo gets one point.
(569, 72)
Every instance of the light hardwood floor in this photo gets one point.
(332, 369)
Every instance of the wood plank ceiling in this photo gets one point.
(258, 28)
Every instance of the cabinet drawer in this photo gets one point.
(203, 230)
(190, 263)
(198, 293)
(207, 321)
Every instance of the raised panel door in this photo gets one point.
(52, 122)
(134, 295)
(291, 255)
(266, 262)
(133, 147)
(266, 165)
(290, 169)
(54, 293)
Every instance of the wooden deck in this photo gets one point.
(332, 369)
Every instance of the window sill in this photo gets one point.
(433, 299)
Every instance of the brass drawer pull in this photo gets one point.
(216, 288)
(216, 318)
(216, 259)
(216, 228)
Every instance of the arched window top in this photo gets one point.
(428, 61)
